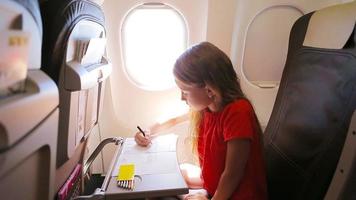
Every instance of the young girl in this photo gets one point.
(226, 133)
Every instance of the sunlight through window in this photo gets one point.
(153, 38)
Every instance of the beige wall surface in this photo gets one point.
(229, 24)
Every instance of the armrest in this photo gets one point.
(87, 163)
(98, 195)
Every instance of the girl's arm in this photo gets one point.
(238, 151)
(154, 129)
(192, 175)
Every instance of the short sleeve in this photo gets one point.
(238, 121)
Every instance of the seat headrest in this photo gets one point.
(99, 2)
(331, 27)
(60, 18)
(33, 8)
(21, 37)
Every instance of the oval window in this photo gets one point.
(266, 48)
(153, 35)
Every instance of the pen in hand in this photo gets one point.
(144, 135)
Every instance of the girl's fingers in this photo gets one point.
(141, 140)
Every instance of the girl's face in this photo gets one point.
(196, 97)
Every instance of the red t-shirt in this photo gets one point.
(237, 120)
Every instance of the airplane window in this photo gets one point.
(154, 35)
(266, 48)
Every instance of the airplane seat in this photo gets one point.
(309, 142)
(74, 57)
(28, 106)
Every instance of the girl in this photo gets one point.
(226, 134)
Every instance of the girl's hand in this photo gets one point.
(143, 140)
(196, 197)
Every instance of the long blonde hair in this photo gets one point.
(204, 64)
(195, 119)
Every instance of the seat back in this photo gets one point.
(73, 55)
(28, 106)
(316, 99)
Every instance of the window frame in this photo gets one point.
(125, 67)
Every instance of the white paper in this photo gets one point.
(158, 158)
(164, 143)
(150, 163)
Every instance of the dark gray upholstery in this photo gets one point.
(349, 189)
(310, 119)
(59, 19)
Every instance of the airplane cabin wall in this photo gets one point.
(221, 23)
(229, 24)
(260, 45)
(126, 105)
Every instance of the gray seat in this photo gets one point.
(74, 29)
(311, 118)
(28, 107)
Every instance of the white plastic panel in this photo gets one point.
(80, 84)
(17, 18)
(27, 169)
(20, 46)
(79, 77)
(99, 2)
(83, 30)
(23, 112)
(28, 116)
(266, 47)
